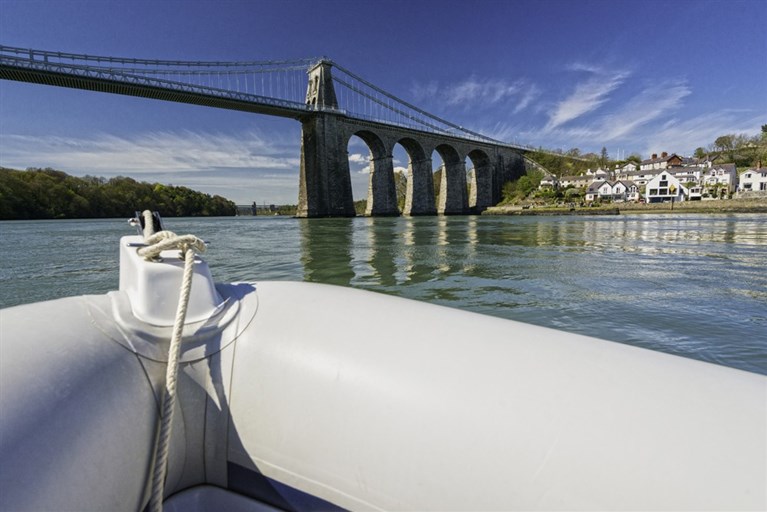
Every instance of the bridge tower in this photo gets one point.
(320, 92)
(325, 187)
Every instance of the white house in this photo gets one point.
(629, 166)
(612, 191)
(597, 189)
(754, 180)
(575, 181)
(622, 172)
(720, 180)
(665, 187)
(549, 181)
(687, 174)
(625, 190)
(605, 190)
(642, 177)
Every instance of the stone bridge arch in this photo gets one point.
(325, 182)
(382, 191)
(419, 197)
(452, 191)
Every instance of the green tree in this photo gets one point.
(604, 158)
(514, 191)
(725, 143)
(51, 194)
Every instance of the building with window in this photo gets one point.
(665, 188)
(575, 181)
(720, 180)
(663, 162)
(754, 180)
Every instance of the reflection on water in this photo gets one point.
(690, 285)
(326, 246)
(687, 284)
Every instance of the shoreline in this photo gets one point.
(720, 206)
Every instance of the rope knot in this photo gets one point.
(166, 240)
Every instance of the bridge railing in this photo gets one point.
(118, 75)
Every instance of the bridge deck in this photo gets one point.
(91, 83)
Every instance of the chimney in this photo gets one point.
(663, 155)
(654, 156)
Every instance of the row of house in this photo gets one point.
(664, 178)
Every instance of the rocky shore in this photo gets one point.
(755, 205)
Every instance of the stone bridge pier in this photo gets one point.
(325, 182)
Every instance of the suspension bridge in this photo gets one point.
(332, 103)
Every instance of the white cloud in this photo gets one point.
(588, 95)
(147, 153)
(359, 158)
(421, 92)
(235, 166)
(475, 92)
(657, 100)
(528, 95)
(650, 122)
(631, 120)
(684, 136)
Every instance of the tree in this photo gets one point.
(725, 143)
(604, 158)
(51, 194)
(700, 152)
(575, 152)
(516, 190)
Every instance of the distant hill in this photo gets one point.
(51, 194)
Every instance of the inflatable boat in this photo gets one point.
(297, 396)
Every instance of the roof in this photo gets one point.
(575, 178)
(661, 159)
(595, 186)
(725, 167)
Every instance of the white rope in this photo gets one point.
(164, 240)
(148, 224)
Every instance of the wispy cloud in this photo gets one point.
(650, 121)
(654, 101)
(148, 153)
(476, 92)
(685, 136)
(588, 94)
(420, 91)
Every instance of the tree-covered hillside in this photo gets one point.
(51, 194)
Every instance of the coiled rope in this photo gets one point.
(188, 244)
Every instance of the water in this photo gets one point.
(693, 285)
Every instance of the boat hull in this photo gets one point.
(321, 397)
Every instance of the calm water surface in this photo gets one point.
(693, 285)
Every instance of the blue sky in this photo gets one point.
(632, 76)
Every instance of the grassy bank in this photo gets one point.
(725, 206)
